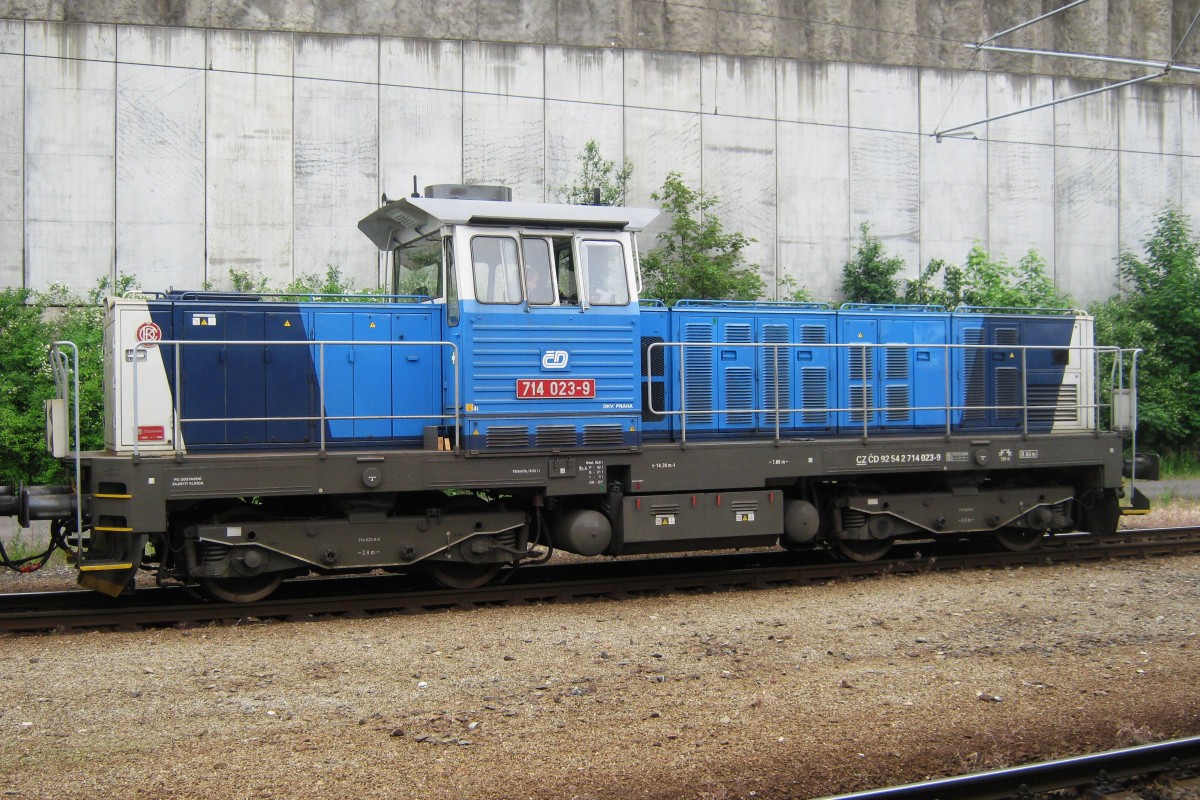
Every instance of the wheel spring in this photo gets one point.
(853, 519)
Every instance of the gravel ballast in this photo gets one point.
(794, 691)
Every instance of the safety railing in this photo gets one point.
(66, 388)
(320, 418)
(780, 354)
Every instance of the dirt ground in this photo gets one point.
(786, 692)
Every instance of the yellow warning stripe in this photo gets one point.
(1134, 512)
(101, 567)
(114, 496)
(111, 530)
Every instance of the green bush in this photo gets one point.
(984, 281)
(1158, 312)
(871, 276)
(29, 322)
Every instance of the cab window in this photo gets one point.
(451, 282)
(564, 266)
(539, 276)
(496, 269)
(604, 264)
(417, 268)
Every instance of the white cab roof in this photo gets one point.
(412, 217)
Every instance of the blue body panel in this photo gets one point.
(733, 380)
(733, 369)
(504, 344)
(892, 388)
(269, 395)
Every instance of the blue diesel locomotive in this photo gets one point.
(514, 395)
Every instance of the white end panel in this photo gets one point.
(150, 425)
(1079, 376)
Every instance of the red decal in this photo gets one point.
(151, 433)
(149, 333)
(556, 388)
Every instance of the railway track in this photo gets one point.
(1131, 773)
(369, 595)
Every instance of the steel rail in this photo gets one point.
(1046, 776)
(368, 595)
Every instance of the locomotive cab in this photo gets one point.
(539, 303)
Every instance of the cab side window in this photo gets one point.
(564, 263)
(605, 270)
(451, 282)
(539, 276)
(496, 269)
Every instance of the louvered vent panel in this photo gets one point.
(896, 363)
(739, 395)
(974, 364)
(1064, 399)
(862, 363)
(738, 333)
(653, 361)
(813, 334)
(1008, 392)
(777, 371)
(555, 435)
(698, 372)
(861, 396)
(897, 402)
(744, 505)
(1006, 336)
(603, 435)
(508, 436)
(665, 508)
(814, 391)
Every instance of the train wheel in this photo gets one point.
(862, 549)
(1018, 540)
(247, 589)
(462, 574)
(242, 590)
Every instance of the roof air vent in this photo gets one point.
(463, 191)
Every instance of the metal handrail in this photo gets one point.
(177, 402)
(1082, 405)
(65, 389)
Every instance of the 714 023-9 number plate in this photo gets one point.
(555, 388)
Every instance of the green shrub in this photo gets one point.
(29, 323)
(871, 275)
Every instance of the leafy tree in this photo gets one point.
(1158, 312)
(696, 258)
(870, 276)
(597, 172)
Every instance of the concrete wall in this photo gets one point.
(913, 33)
(178, 154)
